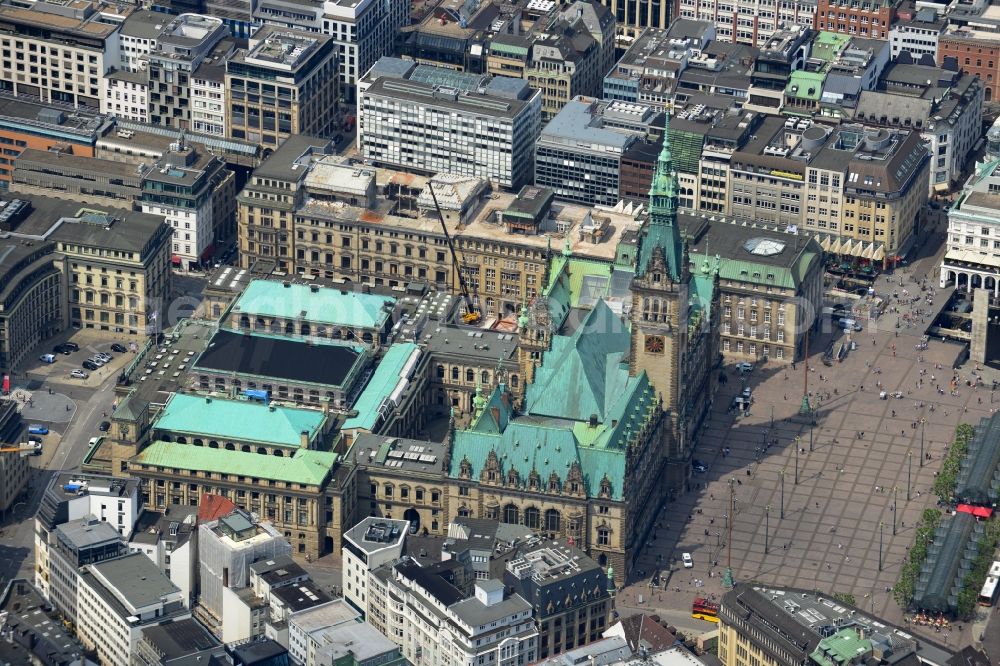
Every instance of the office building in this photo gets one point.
(649, 71)
(633, 17)
(209, 113)
(173, 643)
(333, 633)
(774, 627)
(118, 599)
(770, 286)
(77, 44)
(126, 94)
(138, 35)
(869, 18)
(578, 154)
(24, 124)
(545, 573)
(74, 544)
(783, 52)
(73, 497)
(748, 21)
(226, 549)
(196, 194)
(169, 540)
(285, 83)
(428, 119)
(362, 33)
(15, 469)
(918, 36)
(972, 257)
(182, 45)
(475, 621)
(943, 105)
(367, 546)
(87, 180)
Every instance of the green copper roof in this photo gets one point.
(844, 647)
(661, 234)
(582, 375)
(381, 386)
(805, 85)
(304, 466)
(350, 308)
(238, 420)
(828, 45)
(573, 271)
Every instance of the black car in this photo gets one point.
(90, 365)
(72, 346)
(61, 349)
(104, 426)
(118, 347)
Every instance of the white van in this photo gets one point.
(849, 325)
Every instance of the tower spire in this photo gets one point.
(662, 232)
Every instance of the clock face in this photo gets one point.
(654, 344)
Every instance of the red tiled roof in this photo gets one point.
(213, 507)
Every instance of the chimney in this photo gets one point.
(304, 439)
(593, 420)
(208, 398)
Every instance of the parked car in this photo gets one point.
(62, 349)
(744, 367)
(699, 466)
(79, 374)
(90, 365)
(38, 429)
(747, 393)
(47, 358)
(118, 347)
(104, 426)
(97, 360)
(686, 559)
(104, 356)
(72, 346)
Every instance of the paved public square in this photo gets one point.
(823, 526)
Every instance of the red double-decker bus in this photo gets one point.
(703, 609)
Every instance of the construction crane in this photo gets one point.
(472, 314)
(25, 450)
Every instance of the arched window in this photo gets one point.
(367, 337)
(278, 453)
(486, 377)
(470, 375)
(198, 442)
(261, 450)
(230, 446)
(245, 449)
(259, 322)
(305, 329)
(532, 518)
(510, 514)
(464, 512)
(454, 373)
(552, 520)
(289, 328)
(513, 381)
(440, 372)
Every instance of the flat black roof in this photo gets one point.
(281, 358)
(179, 638)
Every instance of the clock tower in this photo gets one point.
(660, 292)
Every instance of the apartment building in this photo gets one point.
(184, 43)
(208, 97)
(59, 52)
(867, 18)
(783, 52)
(138, 37)
(196, 194)
(126, 94)
(362, 32)
(579, 152)
(429, 119)
(119, 598)
(285, 83)
(752, 22)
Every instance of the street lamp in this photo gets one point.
(895, 490)
(922, 422)
(798, 441)
(767, 527)
(909, 472)
(781, 473)
(881, 525)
